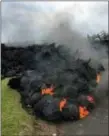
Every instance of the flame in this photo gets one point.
(98, 78)
(62, 104)
(83, 112)
(48, 91)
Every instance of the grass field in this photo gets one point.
(15, 120)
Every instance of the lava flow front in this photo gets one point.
(68, 80)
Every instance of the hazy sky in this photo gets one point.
(32, 21)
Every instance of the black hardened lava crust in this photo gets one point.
(70, 80)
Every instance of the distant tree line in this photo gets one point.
(101, 38)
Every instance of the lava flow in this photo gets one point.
(69, 77)
(98, 78)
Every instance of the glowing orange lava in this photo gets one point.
(62, 104)
(48, 91)
(98, 78)
(83, 112)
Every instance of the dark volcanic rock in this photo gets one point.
(48, 65)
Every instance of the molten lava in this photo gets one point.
(83, 112)
(43, 65)
(62, 104)
(98, 78)
(48, 91)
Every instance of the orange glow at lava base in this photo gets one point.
(62, 104)
(98, 78)
(83, 112)
(48, 91)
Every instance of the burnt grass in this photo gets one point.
(37, 66)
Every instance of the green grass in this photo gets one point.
(15, 120)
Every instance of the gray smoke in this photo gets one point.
(33, 21)
(64, 34)
(67, 27)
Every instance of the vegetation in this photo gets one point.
(15, 120)
(101, 38)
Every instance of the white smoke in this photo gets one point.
(33, 21)
(66, 23)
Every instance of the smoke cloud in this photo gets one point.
(65, 23)
(33, 21)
